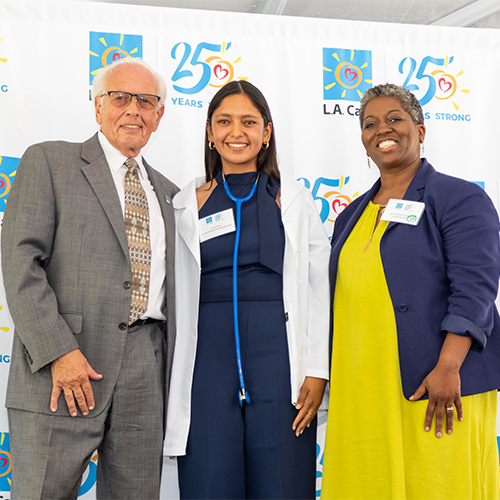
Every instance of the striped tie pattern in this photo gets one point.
(137, 228)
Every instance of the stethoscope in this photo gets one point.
(243, 394)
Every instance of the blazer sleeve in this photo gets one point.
(28, 231)
(470, 230)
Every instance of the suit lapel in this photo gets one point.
(416, 189)
(338, 242)
(415, 192)
(99, 177)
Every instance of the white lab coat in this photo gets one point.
(306, 298)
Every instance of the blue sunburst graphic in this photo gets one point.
(105, 48)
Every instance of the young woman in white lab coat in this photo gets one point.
(248, 433)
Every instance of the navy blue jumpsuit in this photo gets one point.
(235, 453)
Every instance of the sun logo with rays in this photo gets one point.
(446, 84)
(347, 74)
(222, 71)
(105, 48)
(8, 169)
(3, 59)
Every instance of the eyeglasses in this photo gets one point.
(121, 99)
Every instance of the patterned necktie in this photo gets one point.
(137, 228)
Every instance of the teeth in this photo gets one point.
(237, 145)
(131, 126)
(386, 144)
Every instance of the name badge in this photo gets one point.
(216, 225)
(403, 211)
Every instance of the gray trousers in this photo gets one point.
(50, 453)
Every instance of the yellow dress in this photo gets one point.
(376, 446)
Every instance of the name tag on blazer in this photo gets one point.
(403, 211)
(216, 225)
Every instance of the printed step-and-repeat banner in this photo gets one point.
(312, 72)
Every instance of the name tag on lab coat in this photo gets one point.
(216, 225)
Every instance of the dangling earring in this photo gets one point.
(211, 145)
(265, 145)
(422, 150)
(368, 161)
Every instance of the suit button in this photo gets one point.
(127, 285)
(403, 308)
(122, 326)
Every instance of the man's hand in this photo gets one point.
(71, 373)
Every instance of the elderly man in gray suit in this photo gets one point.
(88, 260)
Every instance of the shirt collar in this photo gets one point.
(116, 159)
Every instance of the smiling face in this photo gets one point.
(389, 135)
(128, 128)
(237, 129)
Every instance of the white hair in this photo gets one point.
(99, 83)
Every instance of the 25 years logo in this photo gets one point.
(433, 78)
(330, 202)
(207, 64)
(105, 48)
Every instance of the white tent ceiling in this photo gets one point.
(462, 13)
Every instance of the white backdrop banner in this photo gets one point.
(312, 72)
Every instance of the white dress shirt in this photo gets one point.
(116, 162)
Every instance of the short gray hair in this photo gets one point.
(408, 101)
(99, 83)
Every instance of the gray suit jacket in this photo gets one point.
(65, 263)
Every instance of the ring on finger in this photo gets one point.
(309, 413)
(449, 408)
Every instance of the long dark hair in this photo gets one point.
(266, 159)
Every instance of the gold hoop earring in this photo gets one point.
(211, 145)
(265, 145)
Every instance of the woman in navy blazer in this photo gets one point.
(442, 279)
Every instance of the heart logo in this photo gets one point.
(3, 462)
(220, 72)
(350, 75)
(444, 83)
(2, 183)
(338, 205)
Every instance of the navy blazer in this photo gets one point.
(442, 276)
